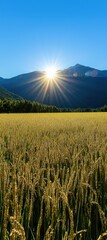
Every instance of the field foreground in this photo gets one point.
(53, 176)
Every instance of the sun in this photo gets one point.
(51, 73)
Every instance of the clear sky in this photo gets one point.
(34, 33)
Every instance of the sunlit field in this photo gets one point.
(53, 176)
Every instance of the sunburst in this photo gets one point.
(51, 73)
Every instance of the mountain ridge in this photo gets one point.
(74, 68)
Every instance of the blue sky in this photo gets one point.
(34, 33)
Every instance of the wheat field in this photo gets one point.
(53, 176)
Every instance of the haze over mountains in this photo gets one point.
(76, 86)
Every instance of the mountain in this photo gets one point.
(76, 86)
(6, 94)
(80, 70)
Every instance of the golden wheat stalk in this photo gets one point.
(102, 236)
(17, 229)
(79, 233)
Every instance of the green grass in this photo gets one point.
(53, 176)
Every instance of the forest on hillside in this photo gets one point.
(25, 106)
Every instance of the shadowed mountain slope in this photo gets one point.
(6, 94)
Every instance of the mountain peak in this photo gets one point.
(78, 65)
(79, 70)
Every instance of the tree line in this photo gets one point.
(26, 106)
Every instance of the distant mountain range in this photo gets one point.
(76, 86)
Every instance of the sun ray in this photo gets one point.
(51, 84)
